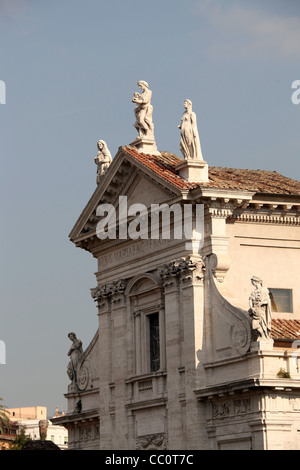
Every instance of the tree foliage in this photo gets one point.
(20, 440)
(4, 419)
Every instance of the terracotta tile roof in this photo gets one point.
(259, 181)
(285, 329)
(163, 166)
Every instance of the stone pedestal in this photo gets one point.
(262, 345)
(145, 145)
(194, 171)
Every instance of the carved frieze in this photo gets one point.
(230, 407)
(152, 441)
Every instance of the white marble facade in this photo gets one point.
(173, 364)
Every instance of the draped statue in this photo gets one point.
(189, 138)
(102, 160)
(143, 111)
(75, 353)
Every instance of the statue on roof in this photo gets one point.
(143, 111)
(260, 309)
(189, 138)
(102, 160)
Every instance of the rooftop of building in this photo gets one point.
(285, 329)
(259, 181)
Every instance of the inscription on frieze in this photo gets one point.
(134, 251)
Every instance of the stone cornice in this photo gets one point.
(76, 418)
(273, 212)
(246, 385)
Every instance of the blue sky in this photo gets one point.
(70, 69)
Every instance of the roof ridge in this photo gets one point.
(259, 181)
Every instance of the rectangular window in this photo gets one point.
(281, 300)
(154, 342)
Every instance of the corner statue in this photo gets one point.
(75, 353)
(143, 111)
(260, 309)
(189, 138)
(102, 160)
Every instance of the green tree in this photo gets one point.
(20, 440)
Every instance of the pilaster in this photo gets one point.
(111, 304)
(183, 285)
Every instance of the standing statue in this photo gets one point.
(143, 111)
(102, 160)
(260, 309)
(43, 428)
(189, 139)
(76, 354)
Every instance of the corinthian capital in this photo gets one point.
(106, 291)
(182, 269)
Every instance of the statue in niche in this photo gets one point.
(260, 309)
(143, 111)
(76, 354)
(189, 138)
(102, 160)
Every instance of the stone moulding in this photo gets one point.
(238, 319)
(267, 219)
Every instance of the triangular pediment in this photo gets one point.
(125, 177)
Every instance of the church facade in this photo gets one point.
(198, 301)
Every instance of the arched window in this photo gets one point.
(146, 305)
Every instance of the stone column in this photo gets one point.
(138, 346)
(216, 239)
(109, 301)
(162, 334)
(105, 427)
(173, 356)
(119, 366)
(193, 349)
(184, 313)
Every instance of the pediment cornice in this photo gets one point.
(121, 178)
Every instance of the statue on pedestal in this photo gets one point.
(143, 111)
(189, 138)
(260, 309)
(102, 160)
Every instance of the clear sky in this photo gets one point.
(70, 68)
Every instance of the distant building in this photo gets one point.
(28, 413)
(8, 436)
(29, 418)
